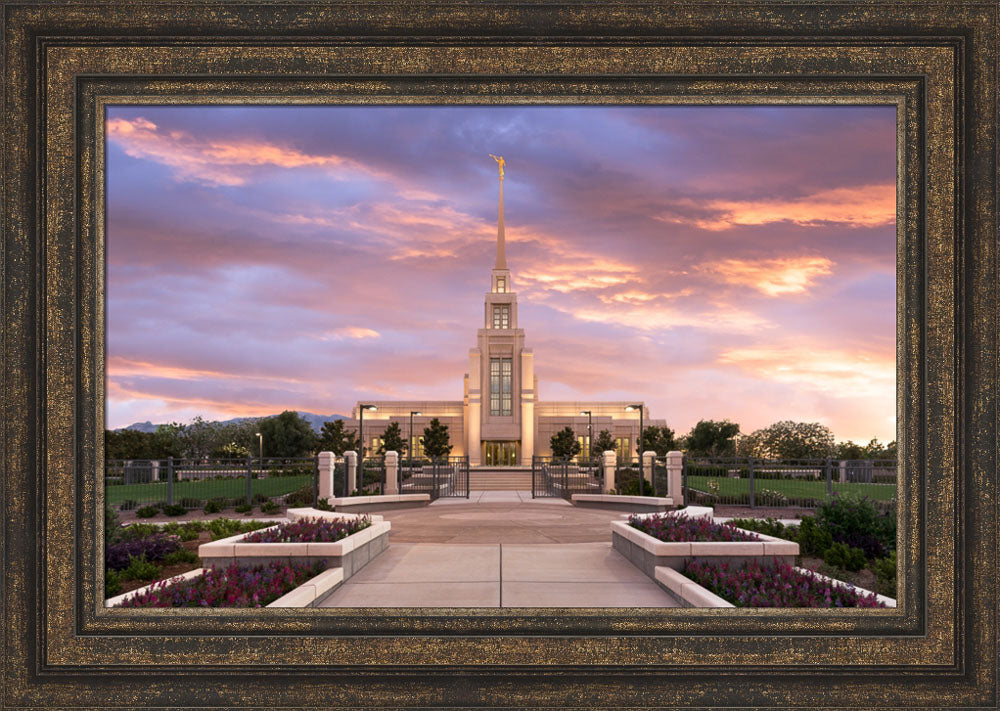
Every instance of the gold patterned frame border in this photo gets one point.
(64, 63)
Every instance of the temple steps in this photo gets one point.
(481, 479)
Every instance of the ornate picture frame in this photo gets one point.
(64, 62)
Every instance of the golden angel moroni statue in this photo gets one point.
(500, 161)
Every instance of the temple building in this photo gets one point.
(500, 420)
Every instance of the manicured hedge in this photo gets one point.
(154, 548)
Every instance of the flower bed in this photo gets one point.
(234, 586)
(678, 538)
(758, 584)
(680, 528)
(310, 536)
(310, 530)
(156, 547)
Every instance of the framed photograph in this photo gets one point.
(168, 171)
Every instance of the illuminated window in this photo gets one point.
(501, 382)
(501, 285)
(623, 448)
(584, 442)
(417, 446)
(501, 315)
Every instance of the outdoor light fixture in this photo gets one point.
(409, 445)
(260, 437)
(638, 444)
(361, 437)
(590, 420)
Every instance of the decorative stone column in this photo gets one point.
(392, 472)
(351, 471)
(326, 464)
(675, 477)
(647, 465)
(609, 463)
(154, 470)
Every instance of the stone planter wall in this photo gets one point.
(351, 553)
(646, 552)
(618, 502)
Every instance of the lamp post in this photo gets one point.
(409, 446)
(260, 439)
(590, 421)
(361, 445)
(638, 444)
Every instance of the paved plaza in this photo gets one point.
(500, 549)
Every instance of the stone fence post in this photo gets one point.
(326, 464)
(351, 471)
(155, 470)
(675, 477)
(392, 472)
(648, 457)
(609, 463)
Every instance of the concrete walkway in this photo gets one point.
(500, 575)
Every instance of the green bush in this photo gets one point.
(187, 531)
(300, 497)
(324, 505)
(214, 506)
(174, 510)
(112, 530)
(244, 509)
(885, 575)
(631, 488)
(269, 507)
(225, 527)
(767, 526)
(127, 505)
(147, 511)
(858, 522)
(112, 583)
(259, 498)
(180, 556)
(139, 530)
(841, 555)
(813, 539)
(141, 569)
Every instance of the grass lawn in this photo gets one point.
(792, 488)
(114, 494)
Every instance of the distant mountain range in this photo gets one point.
(316, 421)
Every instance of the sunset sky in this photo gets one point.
(714, 262)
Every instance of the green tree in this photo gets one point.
(791, 440)
(392, 440)
(436, 439)
(564, 443)
(603, 443)
(335, 437)
(712, 438)
(128, 444)
(658, 439)
(287, 435)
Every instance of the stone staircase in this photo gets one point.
(500, 479)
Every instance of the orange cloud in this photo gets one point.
(837, 373)
(862, 206)
(772, 277)
(118, 366)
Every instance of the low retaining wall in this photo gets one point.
(351, 553)
(646, 552)
(687, 592)
(617, 502)
(384, 502)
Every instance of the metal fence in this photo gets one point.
(192, 483)
(372, 475)
(443, 477)
(802, 483)
(556, 477)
